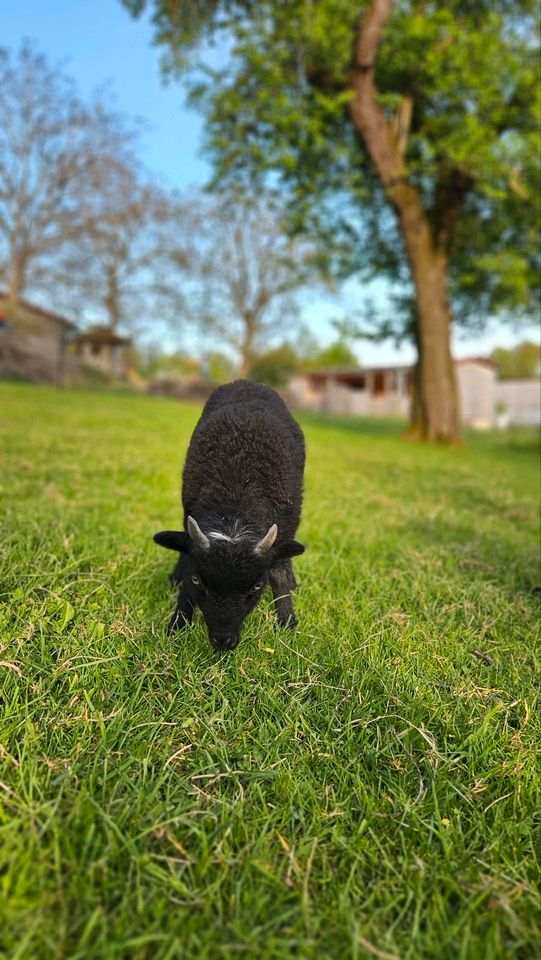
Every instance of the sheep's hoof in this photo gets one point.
(288, 622)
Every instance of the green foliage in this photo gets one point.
(156, 364)
(278, 108)
(275, 367)
(219, 367)
(371, 779)
(337, 354)
(519, 362)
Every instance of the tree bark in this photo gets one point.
(436, 401)
(438, 404)
(246, 364)
(437, 407)
(247, 352)
(112, 299)
(16, 280)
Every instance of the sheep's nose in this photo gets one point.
(225, 641)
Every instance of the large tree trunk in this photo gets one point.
(112, 299)
(246, 346)
(16, 280)
(436, 412)
(436, 409)
(246, 364)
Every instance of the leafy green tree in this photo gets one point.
(154, 362)
(522, 361)
(218, 367)
(337, 354)
(276, 366)
(406, 135)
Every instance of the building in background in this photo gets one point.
(100, 349)
(42, 346)
(371, 392)
(518, 403)
(485, 402)
(33, 341)
(476, 379)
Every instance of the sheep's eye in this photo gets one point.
(257, 586)
(196, 581)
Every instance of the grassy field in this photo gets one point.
(365, 787)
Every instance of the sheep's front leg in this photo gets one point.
(282, 581)
(183, 614)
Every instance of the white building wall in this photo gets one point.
(302, 393)
(476, 386)
(480, 396)
(339, 398)
(519, 401)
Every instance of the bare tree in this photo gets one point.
(244, 273)
(120, 265)
(51, 149)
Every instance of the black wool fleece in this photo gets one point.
(242, 499)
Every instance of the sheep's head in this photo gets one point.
(226, 572)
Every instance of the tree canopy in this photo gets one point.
(458, 85)
(522, 361)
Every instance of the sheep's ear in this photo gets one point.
(173, 540)
(291, 549)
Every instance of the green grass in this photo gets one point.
(364, 787)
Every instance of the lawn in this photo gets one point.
(365, 787)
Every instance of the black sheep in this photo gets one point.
(242, 498)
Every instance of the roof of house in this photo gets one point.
(481, 361)
(41, 311)
(332, 373)
(103, 335)
(329, 373)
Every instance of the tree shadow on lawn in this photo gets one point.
(516, 442)
(513, 444)
(373, 426)
(480, 557)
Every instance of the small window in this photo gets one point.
(357, 384)
(379, 383)
(95, 349)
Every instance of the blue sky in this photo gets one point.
(97, 42)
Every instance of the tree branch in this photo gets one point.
(452, 187)
(401, 123)
(366, 113)
(385, 147)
